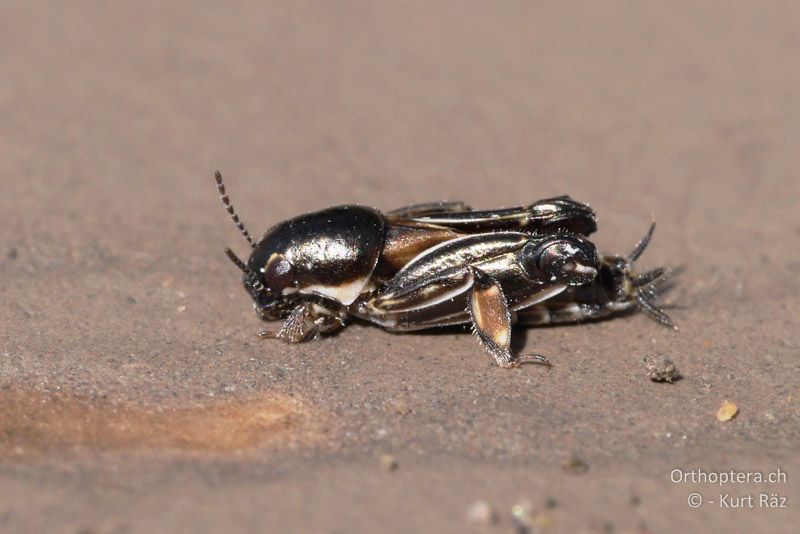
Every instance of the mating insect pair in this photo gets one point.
(440, 264)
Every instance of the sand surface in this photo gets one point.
(134, 393)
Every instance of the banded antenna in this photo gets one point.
(251, 277)
(235, 259)
(229, 207)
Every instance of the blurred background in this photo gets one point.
(115, 289)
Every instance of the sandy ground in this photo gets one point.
(135, 394)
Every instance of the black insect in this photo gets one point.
(439, 264)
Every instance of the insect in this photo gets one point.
(440, 264)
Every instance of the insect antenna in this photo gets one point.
(649, 277)
(641, 245)
(653, 312)
(228, 206)
(236, 261)
(250, 275)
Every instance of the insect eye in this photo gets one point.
(278, 273)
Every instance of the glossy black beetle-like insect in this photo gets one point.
(439, 264)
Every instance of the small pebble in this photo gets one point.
(521, 514)
(542, 521)
(482, 512)
(727, 411)
(660, 369)
(389, 462)
(575, 466)
(401, 407)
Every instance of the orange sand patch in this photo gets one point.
(40, 423)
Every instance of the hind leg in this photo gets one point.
(491, 320)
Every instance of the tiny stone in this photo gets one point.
(481, 512)
(13, 253)
(575, 466)
(770, 417)
(521, 512)
(181, 309)
(727, 411)
(660, 369)
(542, 521)
(401, 407)
(389, 462)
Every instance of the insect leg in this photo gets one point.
(306, 322)
(491, 319)
(429, 208)
(327, 322)
(296, 328)
(560, 313)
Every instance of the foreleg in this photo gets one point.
(306, 322)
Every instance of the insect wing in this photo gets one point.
(545, 216)
(450, 260)
(429, 209)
